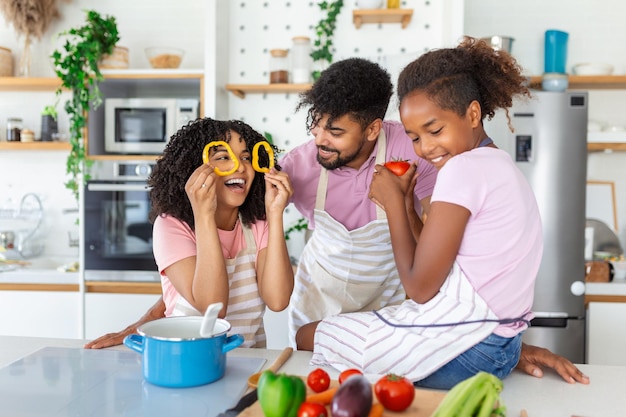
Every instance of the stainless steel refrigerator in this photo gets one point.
(549, 145)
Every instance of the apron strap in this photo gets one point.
(322, 186)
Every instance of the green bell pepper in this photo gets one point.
(280, 395)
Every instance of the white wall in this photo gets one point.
(596, 34)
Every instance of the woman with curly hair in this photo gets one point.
(220, 238)
(470, 279)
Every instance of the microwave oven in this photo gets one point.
(144, 125)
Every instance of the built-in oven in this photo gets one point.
(116, 228)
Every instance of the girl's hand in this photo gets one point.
(200, 189)
(386, 185)
(278, 191)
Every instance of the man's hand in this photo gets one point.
(533, 358)
(157, 311)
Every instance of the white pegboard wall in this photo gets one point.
(259, 26)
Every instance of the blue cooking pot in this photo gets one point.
(175, 355)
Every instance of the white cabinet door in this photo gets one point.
(606, 338)
(108, 313)
(41, 314)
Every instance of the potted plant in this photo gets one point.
(49, 125)
(76, 64)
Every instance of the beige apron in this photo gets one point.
(344, 271)
(431, 337)
(245, 306)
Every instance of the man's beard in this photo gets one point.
(340, 161)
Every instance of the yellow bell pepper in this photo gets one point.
(205, 157)
(255, 157)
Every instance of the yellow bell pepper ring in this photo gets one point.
(255, 157)
(205, 157)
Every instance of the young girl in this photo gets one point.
(220, 238)
(470, 278)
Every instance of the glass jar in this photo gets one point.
(14, 128)
(27, 135)
(279, 66)
(301, 61)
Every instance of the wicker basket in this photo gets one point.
(6, 62)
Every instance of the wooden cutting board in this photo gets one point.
(424, 404)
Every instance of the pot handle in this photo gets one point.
(232, 342)
(134, 342)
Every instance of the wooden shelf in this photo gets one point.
(29, 83)
(35, 146)
(608, 146)
(588, 82)
(240, 90)
(402, 16)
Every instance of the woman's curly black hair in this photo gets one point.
(354, 86)
(454, 77)
(183, 154)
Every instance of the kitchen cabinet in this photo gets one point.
(606, 340)
(41, 313)
(112, 312)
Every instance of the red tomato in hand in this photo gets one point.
(318, 380)
(312, 410)
(398, 166)
(394, 392)
(348, 373)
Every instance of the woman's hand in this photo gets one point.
(386, 186)
(201, 190)
(278, 191)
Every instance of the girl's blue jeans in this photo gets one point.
(496, 355)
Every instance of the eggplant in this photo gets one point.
(353, 398)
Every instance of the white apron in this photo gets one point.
(245, 307)
(371, 341)
(344, 271)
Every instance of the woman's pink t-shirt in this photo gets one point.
(173, 240)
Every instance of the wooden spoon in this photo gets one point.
(253, 380)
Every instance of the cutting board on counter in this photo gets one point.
(424, 404)
(64, 382)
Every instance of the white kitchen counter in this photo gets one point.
(41, 271)
(549, 396)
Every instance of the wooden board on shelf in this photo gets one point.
(29, 83)
(35, 146)
(402, 16)
(603, 147)
(240, 90)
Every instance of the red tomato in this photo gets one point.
(318, 380)
(312, 410)
(397, 166)
(394, 392)
(348, 373)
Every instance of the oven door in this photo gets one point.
(118, 234)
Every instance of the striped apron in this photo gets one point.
(410, 339)
(344, 271)
(245, 307)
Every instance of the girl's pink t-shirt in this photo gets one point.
(173, 240)
(502, 245)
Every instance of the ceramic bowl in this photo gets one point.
(591, 68)
(161, 57)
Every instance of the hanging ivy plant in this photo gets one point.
(324, 31)
(76, 64)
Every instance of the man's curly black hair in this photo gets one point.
(183, 154)
(353, 86)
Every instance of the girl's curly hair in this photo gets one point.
(454, 77)
(353, 86)
(183, 154)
